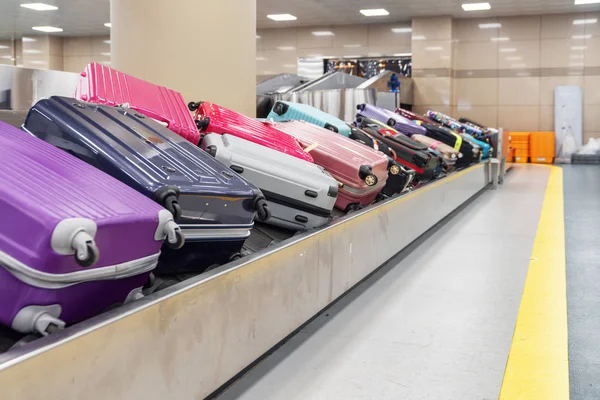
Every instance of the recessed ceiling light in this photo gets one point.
(578, 47)
(433, 48)
(282, 17)
(31, 51)
(258, 36)
(500, 39)
(402, 54)
(47, 29)
(585, 21)
(579, 37)
(418, 37)
(493, 25)
(39, 6)
(8, 58)
(3, 47)
(401, 30)
(581, 2)
(323, 33)
(286, 48)
(260, 58)
(514, 58)
(374, 12)
(476, 6)
(27, 39)
(106, 41)
(108, 25)
(508, 50)
(351, 46)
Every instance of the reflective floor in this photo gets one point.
(435, 323)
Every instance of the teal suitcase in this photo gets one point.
(287, 111)
(485, 148)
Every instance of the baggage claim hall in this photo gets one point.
(302, 199)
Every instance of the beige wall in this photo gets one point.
(80, 51)
(279, 49)
(511, 83)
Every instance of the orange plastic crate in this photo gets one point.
(521, 156)
(519, 137)
(542, 147)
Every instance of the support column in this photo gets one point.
(432, 54)
(204, 49)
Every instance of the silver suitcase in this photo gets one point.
(301, 195)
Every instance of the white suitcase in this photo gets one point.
(300, 194)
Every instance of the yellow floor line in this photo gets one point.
(538, 362)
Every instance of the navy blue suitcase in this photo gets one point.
(214, 206)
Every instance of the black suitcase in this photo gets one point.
(452, 139)
(407, 152)
(213, 205)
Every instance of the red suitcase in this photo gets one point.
(361, 170)
(415, 117)
(212, 118)
(100, 84)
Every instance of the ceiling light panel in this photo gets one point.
(282, 17)
(582, 2)
(500, 39)
(476, 6)
(374, 12)
(39, 6)
(47, 29)
(402, 30)
(323, 33)
(108, 25)
(585, 21)
(494, 25)
(508, 50)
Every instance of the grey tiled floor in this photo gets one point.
(435, 323)
(582, 223)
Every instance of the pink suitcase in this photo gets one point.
(361, 170)
(103, 85)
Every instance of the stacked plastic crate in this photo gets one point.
(541, 147)
(519, 141)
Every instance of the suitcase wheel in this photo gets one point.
(202, 124)
(178, 240)
(235, 256)
(262, 209)
(88, 254)
(352, 207)
(391, 122)
(194, 105)
(280, 108)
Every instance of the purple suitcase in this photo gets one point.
(396, 121)
(73, 240)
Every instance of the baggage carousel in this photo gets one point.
(189, 339)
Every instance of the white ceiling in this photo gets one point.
(87, 17)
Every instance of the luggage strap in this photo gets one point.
(311, 147)
(458, 143)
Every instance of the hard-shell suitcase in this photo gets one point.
(209, 201)
(286, 110)
(415, 117)
(409, 153)
(101, 84)
(449, 155)
(485, 129)
(212, 118)
(362, 171)
(454, 140)
(453, 124)
(390, 118)
(300, 194)
(368, 140)
(484, 147)
(73, 240)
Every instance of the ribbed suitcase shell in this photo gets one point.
(415, 117)
(215, 203)
(300, 194)
(368, 140)
(342, 158)
(217, 119)
(101, 84)
(390, 118)
(485, 148)
(454, 140)
(40, 186)
(409, 153)
(286, 110)
(449, 155)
